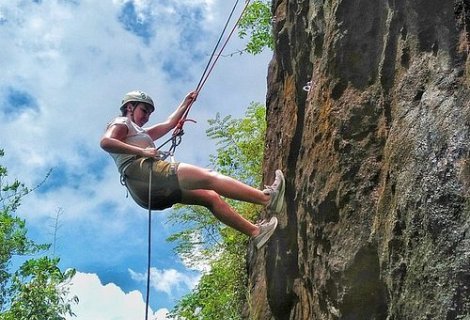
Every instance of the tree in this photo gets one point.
(221, 291)
(38, 289)
(256, 23)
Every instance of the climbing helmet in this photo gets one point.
(136, 96)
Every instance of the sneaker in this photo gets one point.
(266, 230)
(276, 190)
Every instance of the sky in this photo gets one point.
(64, 67)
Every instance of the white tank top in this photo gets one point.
(136, 136)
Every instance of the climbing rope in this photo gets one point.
(149, 247)
(178, 132)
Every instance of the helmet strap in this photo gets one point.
(131, 110)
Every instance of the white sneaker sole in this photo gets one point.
(280, 196)
(267, 235)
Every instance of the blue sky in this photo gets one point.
(65, 65)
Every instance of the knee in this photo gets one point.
(213, 199)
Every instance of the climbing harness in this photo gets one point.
(175, 139)
(178, 132)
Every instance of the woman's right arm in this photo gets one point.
(113, 141)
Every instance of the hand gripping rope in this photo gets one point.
(178, 132)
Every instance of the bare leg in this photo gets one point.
(220, 209)
(192, 178)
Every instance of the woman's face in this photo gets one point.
(141, 114)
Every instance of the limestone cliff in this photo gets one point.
(369, 118)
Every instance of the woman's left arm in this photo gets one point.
(160, 129)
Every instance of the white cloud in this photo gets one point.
(75, 60)
(107, 302)
(167, 280)
(198, 259)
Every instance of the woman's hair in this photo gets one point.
(124, 108)
(134, 104)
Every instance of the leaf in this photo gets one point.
(256, 22)
(37, 289)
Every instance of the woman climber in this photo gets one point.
(133, 150)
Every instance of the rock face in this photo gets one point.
(369, 118)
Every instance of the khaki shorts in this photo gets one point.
(165, 187)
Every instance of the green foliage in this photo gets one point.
(38, 289)
(256, 23)
(13, 241)
(240, 144)
(41, 291)
(220, 293)
(200, 233)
